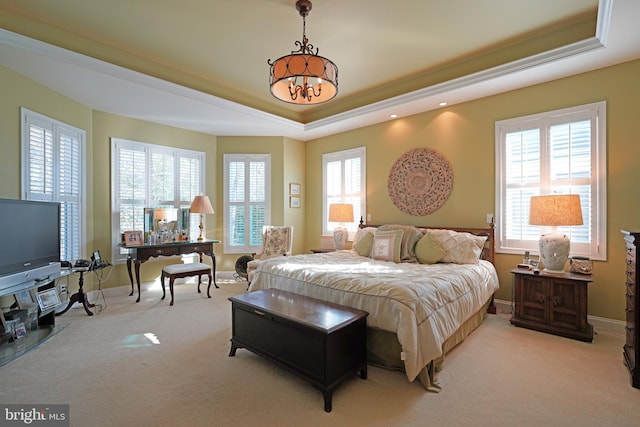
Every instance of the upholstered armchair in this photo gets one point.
(276, 241)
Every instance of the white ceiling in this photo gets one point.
(379, 49)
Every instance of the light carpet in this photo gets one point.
(110, 371)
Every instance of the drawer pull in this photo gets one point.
(628, 310)
(258, 312)
(628, 328)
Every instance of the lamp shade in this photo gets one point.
(167, 214)
(341, 212)
(555, 210)
(201, 205)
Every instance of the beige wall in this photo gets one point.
(465, 135)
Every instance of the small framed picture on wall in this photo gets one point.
(294, 202)
(294, 189)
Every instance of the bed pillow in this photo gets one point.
(363, 245)
(386, 245)
(410, 236)
(428, 251)
(363, 232)
(459, 247)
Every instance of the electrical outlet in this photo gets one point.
(63, 288)
(368, 217)
(489, 218)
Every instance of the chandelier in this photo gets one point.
(303, 77)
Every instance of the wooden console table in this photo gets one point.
(142, 253)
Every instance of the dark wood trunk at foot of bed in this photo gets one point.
(324, 343)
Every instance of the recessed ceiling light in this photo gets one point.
(443, 103)
(394, 116)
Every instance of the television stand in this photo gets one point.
(46, 327)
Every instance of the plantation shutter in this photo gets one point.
(152, 176)
(247, 201)
(561, 152)
(53, 171)
(344, 182)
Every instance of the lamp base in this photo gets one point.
(201, 237)
(340, 237)
(554, 251)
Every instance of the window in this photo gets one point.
(560, 152)
(247, 201)
(152, 176)
(53, 170)
(344, 178)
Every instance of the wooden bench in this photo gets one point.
(324, 343)
(177, 271)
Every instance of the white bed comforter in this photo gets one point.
(423, 304)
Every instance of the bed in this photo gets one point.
(425, 289)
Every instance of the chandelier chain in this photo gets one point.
(304, 46)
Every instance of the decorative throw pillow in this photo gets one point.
(428, 251)
(410, 236)
(363, 232)
(363, 245)
(276, 241)
(386, 245)
(460, 248)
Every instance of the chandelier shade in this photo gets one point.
(303, 77)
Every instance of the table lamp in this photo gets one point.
(341, 213)
(555, 210)
(201, 205)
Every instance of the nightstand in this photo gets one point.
(553, 303)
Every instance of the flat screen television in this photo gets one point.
(30, 248)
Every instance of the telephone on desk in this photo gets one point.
(82, 263)
(95, 263)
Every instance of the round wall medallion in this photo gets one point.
(420, 181)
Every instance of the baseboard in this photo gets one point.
(600, 324)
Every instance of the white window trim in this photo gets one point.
(119, 254)
(57, 127)
(228, 158)
(597, 249)
(341, 156)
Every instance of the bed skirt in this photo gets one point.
(383, 350)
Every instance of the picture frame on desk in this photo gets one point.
(21, 330)
(133, 238)
(24, 299)
(48, 299)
